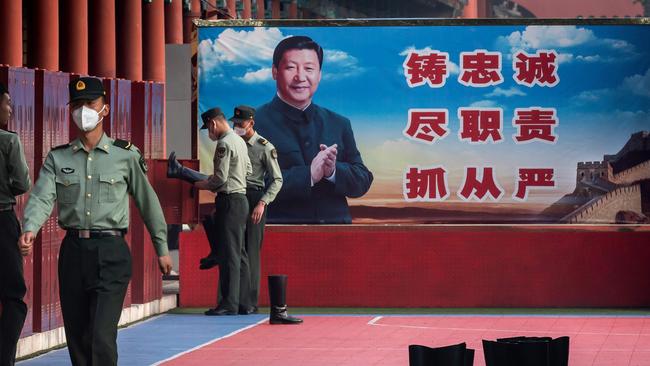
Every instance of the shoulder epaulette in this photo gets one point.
(15, 133)
(60, 147)
(263, 141)
(126, 145)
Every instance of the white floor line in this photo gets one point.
(210, 342)
(374, 323)
(374, 320)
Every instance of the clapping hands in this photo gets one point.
(324, 164)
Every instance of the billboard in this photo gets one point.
(442, 121)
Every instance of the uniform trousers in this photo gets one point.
(12, 287)
(230, 215)
(93, 274)
(253, 243)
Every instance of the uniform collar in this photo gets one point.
(282, 99)
(253, 138)
(292, 112)
(226, 134)
(104, 144)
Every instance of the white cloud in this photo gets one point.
(595, 95)
(565, 57)
(638, 84)
(565, 37)
(622, 118)
(452, 67)
(635, 84)
(589, 58)
(339, 64)
(484, 104)
(513, 91)
(238, 48)
(258, 76)
(255, 48)
(541, 37)
(618, 44)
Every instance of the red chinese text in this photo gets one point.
(480, 124)
(428, 125)
(430, 68)
(426, 184)
(536, 69)
(477, 189)
(535, 123)
(533, 177)
(480, 68)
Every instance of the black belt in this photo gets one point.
(254, 188)
(6, 207)
(223, 194)
(91, 234)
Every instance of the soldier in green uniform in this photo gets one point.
(264, 160)
(231, 166)
(89, 179)
(14, 181)
(262, 185)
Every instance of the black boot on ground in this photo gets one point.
(456, 355)
(212, 260)
(278, 295)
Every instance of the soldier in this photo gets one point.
(265, 167)
(89, 179)
(264, 159)
(14, 181)
(231, 166)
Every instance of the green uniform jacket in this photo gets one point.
(231, 165)
(14, 173)
(90, 189)
(264, 160)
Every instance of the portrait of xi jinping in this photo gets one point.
(321, 165)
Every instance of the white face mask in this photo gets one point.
(240, 131)
(87, 118)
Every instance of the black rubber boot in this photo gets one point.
(456, 355)
(277, 293)
(178, 171)
(212, 260)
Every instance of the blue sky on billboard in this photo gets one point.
(602, 97)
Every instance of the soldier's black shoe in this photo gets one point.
(219, 312)
(209, 258)
(247, 310)
(208, 263)
(177, 170)
(279, 316)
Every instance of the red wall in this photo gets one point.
(432, 266)
(584, 8)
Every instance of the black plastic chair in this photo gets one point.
(456, 355)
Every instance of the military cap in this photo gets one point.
(3, 89)
(86, 88)
(210, 114)
(243, 113)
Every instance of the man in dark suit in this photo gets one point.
(321, 165)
